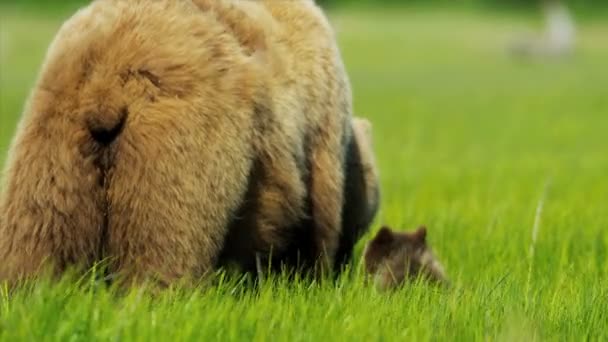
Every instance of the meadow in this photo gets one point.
(505, 161)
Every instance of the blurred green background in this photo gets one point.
(504, 156)
(521, 3)
(588, 7)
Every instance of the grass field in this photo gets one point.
(505, 161)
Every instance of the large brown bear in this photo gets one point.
(149, 124)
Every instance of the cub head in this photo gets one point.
(392, 258)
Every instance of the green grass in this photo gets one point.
(477, 146)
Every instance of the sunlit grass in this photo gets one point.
(470, 142)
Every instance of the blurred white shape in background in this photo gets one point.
(559, 36)
(560, 27)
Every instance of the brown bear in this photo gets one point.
(151, 120)
(391, 258)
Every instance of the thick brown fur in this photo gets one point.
(361, 190)
(361, 202)
(149, 120)
(392, 258)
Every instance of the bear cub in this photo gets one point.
(391, 258)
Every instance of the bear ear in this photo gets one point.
(384, 235)
(420, 235)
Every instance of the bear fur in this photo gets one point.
(361, 191)
(361, 203)
(151, 120)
